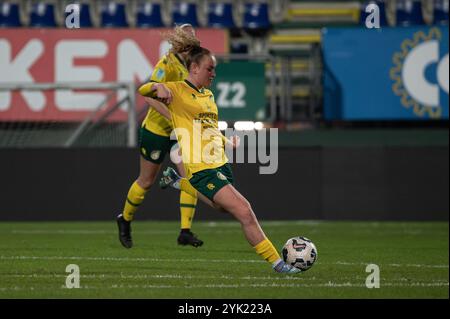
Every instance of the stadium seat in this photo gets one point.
(256, 20)
(10, 14)
(185, 12)
(409, 12)
(85, 15)
(238, 47)
(148, 15)
(113, 14)
(381, 4)
(42, 14)
(440, 12)
(220, 15)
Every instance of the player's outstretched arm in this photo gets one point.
(158, 90)
(147, 89)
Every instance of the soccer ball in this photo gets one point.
(300, 252)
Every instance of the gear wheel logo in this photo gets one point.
(411, 84)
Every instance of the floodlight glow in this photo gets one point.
(223, 125)
(259, 125)
(244, 125)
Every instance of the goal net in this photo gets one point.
(67, 115)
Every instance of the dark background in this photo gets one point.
(316, 182)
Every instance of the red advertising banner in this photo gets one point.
(94, 55)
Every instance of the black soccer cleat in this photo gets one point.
(124, 232)
(189, 238)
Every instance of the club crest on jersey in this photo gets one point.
(154, 155)
(210, 186)
(221, 176)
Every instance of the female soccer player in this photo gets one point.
(193, 112)
(155, 142)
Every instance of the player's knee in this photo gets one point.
(248, 219)
(247, 207)
(146, 181)
(246, 214)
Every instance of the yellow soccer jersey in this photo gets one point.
(169, 68)
(195, 118)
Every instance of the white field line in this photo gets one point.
(202, 229)
(233, 286)
(220, 277)
(107, 232)
(205, 227)
(391, 265)
(232, 223)
(125, 259)
(273, 223)
(146, 276)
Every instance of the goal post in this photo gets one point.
(51, 127)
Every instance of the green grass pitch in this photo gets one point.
(412, 258)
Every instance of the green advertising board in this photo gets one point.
(239, 91)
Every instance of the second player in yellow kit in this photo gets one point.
(169, 69)
(155, 143)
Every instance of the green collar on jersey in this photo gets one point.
(194, 87)
(180, 59)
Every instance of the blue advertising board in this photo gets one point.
(386, 74)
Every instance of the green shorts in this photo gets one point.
(154, 147)
(209, 181)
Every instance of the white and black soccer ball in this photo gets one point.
(300, 252)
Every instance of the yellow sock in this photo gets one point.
(267, 251)
(135, 197)
(187, 187)
(187, 209)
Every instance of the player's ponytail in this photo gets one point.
(181, 41)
